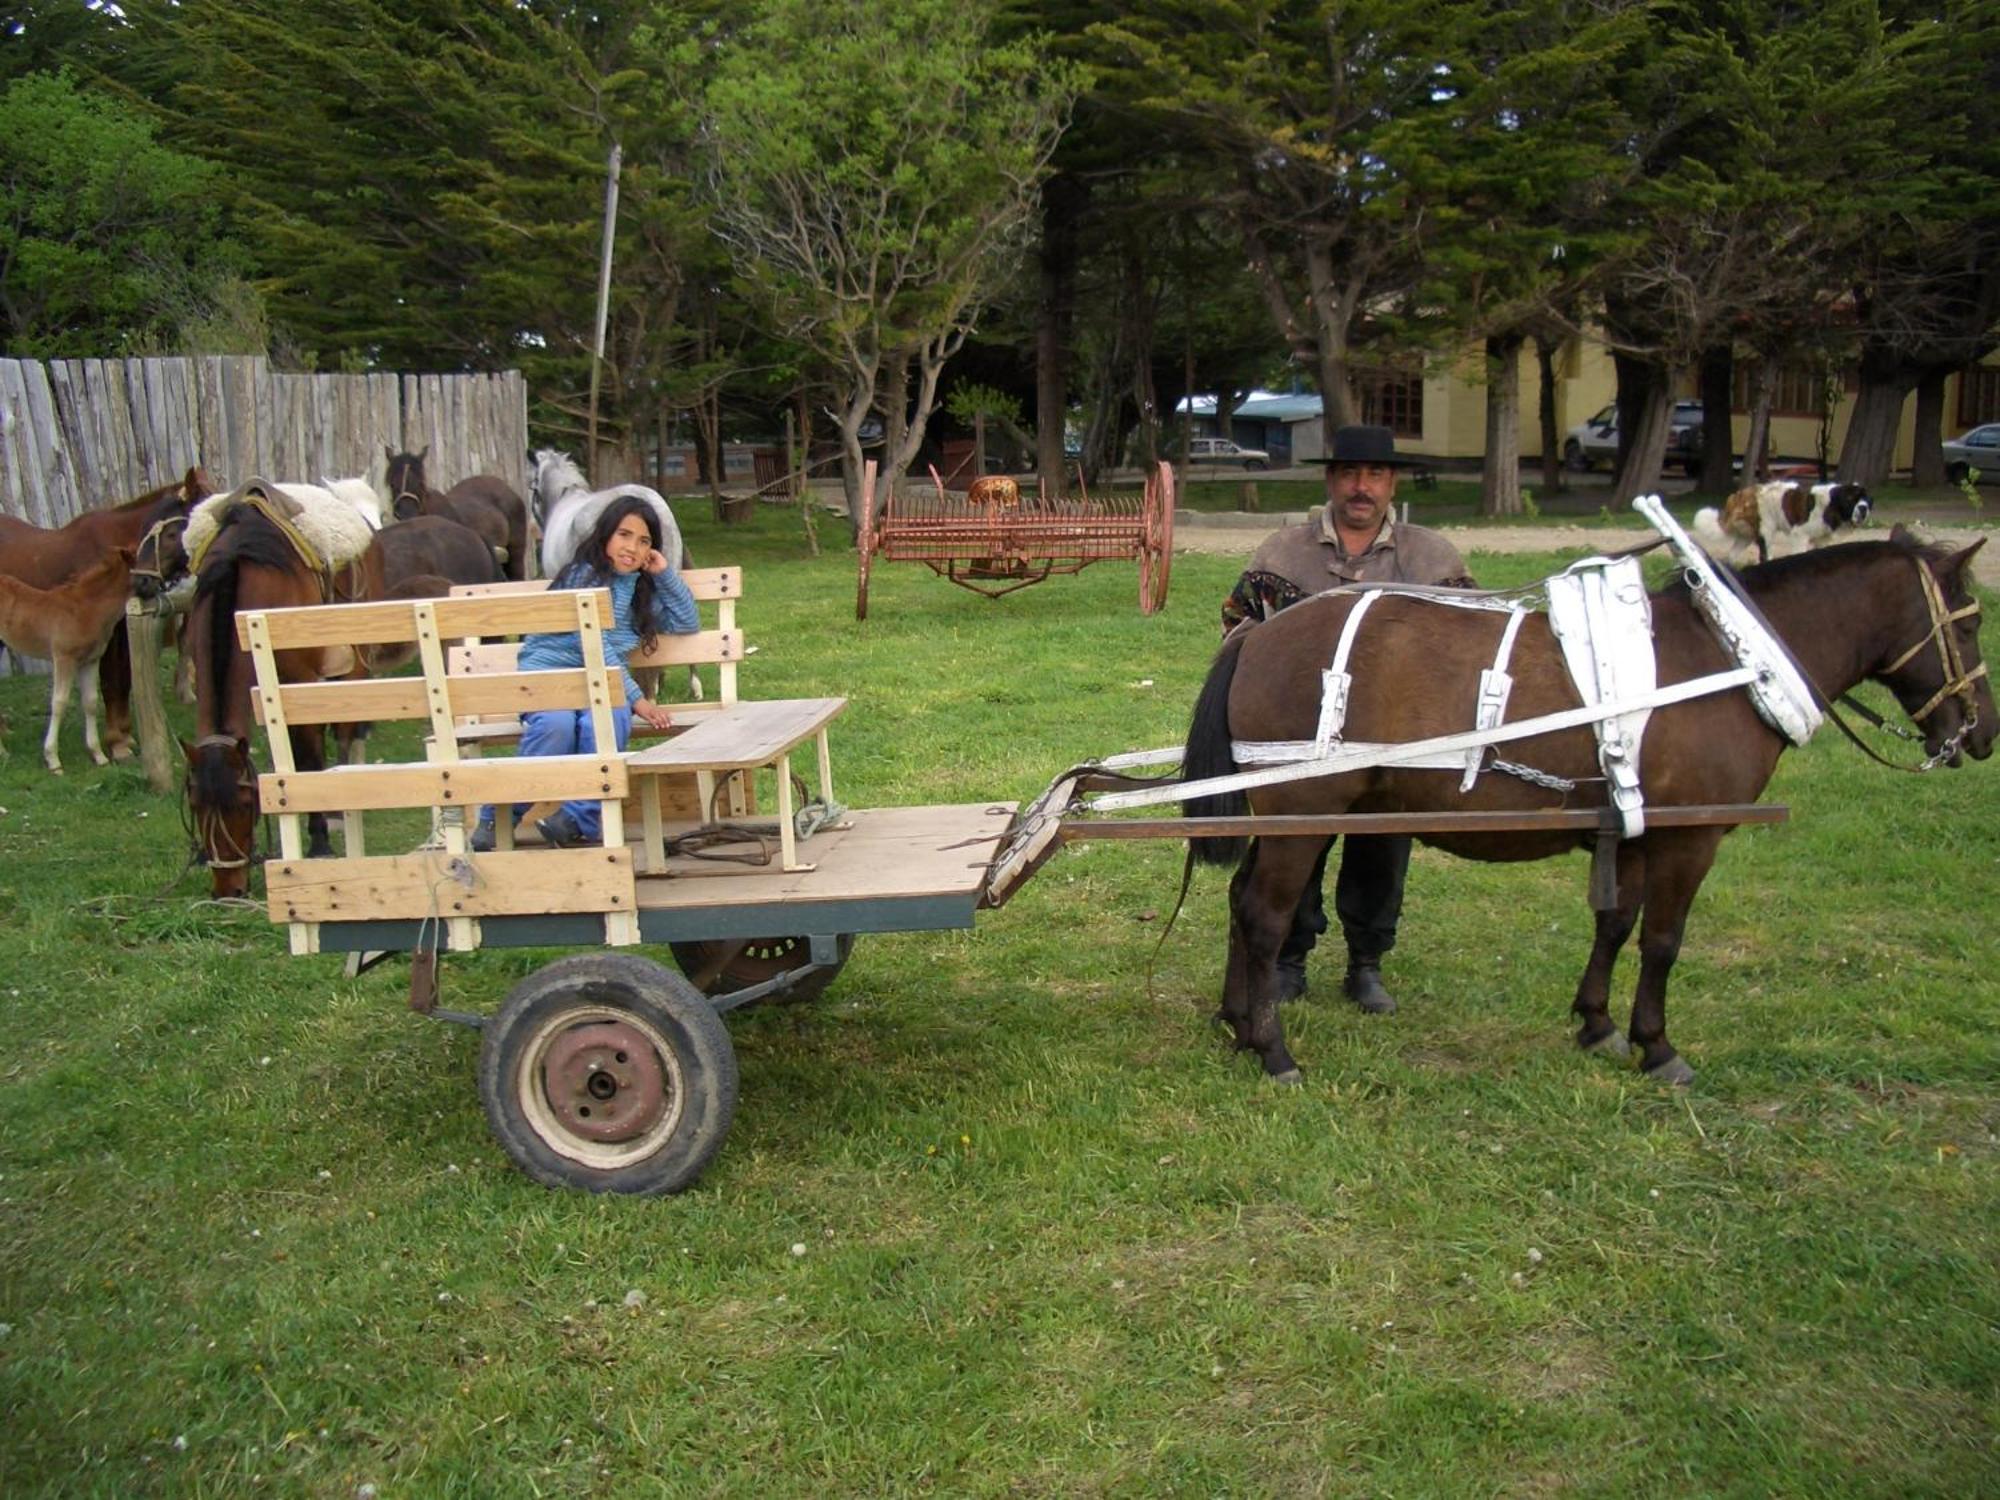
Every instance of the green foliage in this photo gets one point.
(968, 400)
(110, 243)
(872, 226)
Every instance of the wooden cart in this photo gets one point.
(606, 1070)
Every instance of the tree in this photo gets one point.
(425, 178)
(1507, 169)
(874, 168)
(1298, 102)
(109, 241)
(1925, 240)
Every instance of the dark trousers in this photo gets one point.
(1367, 897)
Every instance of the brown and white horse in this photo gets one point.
(1895, 612)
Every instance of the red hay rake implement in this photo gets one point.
(993, 540)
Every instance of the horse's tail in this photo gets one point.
(1208, 754)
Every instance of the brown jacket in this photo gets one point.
(1310, 559)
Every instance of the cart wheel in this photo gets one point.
(607, 1071)
(717, 966)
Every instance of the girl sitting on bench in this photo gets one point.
(621, 553)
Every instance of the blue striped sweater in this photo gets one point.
(674, 613)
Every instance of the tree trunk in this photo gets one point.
(894, 404)
(1718, 394)
(1927, 459)
(1553, 478)
(1757, 441)
(1145, 395)
(1642, 442)
(1871, 430)
(1063, 201)
(1500, 472)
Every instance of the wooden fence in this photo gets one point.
(76, 434)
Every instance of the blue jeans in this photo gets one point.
(567, 731)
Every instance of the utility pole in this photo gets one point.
(603, 290)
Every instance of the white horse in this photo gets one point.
(363, 496)
(560, 494)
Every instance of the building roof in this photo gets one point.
(1265, 406)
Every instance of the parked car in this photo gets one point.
(1215, 450)
(1596, 441)
(1976, 454)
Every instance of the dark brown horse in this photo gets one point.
(251, 565)
(437, 547)
(44, 557)
(483, 503)
(1850, 613)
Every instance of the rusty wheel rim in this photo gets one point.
(601, 1086)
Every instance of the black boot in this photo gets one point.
(1363, 985)
(1291, 977)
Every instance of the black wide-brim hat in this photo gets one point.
(1363, 444)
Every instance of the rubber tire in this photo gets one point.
(1255, 466)
(762, 959)
(1956, 473)
(1574, 458)
(641, 993)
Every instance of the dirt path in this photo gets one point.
(1239, 537)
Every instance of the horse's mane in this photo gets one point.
(556, 474)
(171, 490)
(213, 776)
(1820, 564)
(244, 537)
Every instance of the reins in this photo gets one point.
(1957, 682)
(208, 827)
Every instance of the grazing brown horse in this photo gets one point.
(251, 565)
(437, 547)
(1895, 612)
(43, 557)
(484, 503)
(70, 625)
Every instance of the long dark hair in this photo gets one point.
(591, 562)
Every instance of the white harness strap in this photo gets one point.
(1336, 680)
(1601, 615)
(1780, 692)
(1495, 686)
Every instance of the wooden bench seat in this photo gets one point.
(444, 880)
(748, 736)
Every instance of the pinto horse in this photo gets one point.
(252, 565)
(43, 557)
(483, 503)
(1894, 612)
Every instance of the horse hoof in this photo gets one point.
(1290, 1078)
(1674, 1071)
(122, 753)
(1612, 1043)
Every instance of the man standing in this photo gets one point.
(1352, 540)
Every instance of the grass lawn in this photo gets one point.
(1000, 1214)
